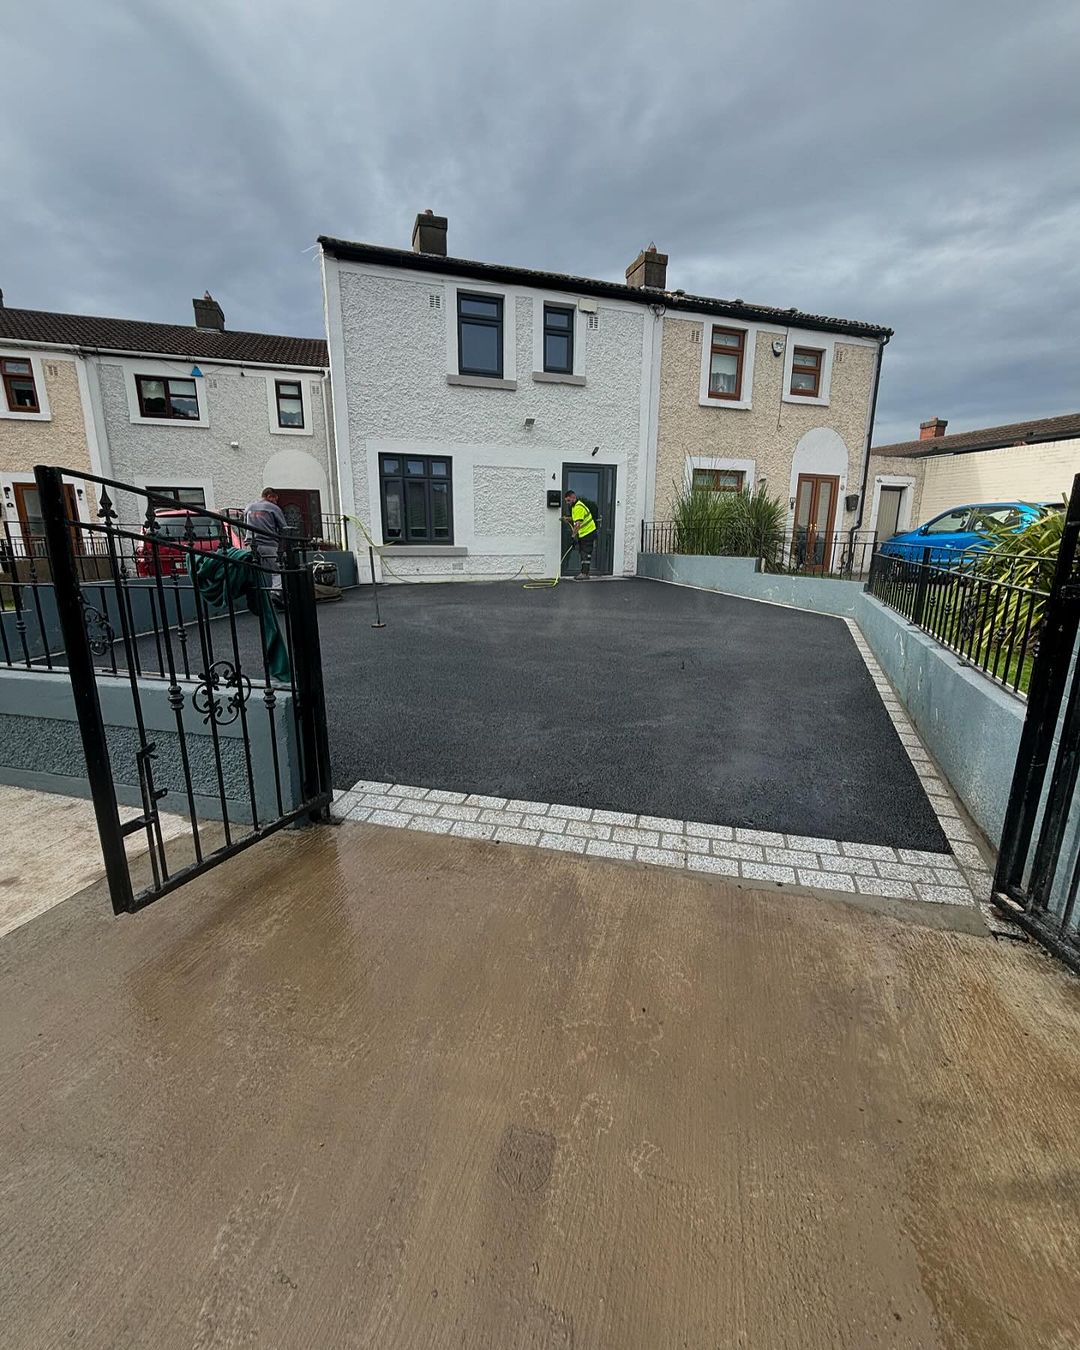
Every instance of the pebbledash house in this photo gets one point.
(469, 396)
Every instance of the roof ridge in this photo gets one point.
(152, 323)
(673, 299)
(1031, 429)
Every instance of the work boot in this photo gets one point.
(582, 576)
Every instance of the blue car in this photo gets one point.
(958, 529)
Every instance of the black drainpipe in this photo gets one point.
(870, 430)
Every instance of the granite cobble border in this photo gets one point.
(686, 845)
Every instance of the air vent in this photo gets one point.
(434, 300)
(695, 336)
(594, 322)
(53, 370)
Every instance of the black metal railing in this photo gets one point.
(144, 562)
(224, 618)
(330, 531)
(1038, 869)
(990, 620)
(804, 552)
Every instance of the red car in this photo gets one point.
(171, 559)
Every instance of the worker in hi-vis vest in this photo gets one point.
(583, 528)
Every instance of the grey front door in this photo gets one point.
(595, 485)
(888, 518)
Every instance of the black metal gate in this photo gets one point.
(192, 646)
(1038, 867)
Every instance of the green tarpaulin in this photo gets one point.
(229, 572)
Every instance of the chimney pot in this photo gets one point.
(931, 429)
(208, 313)
(429, 234)
(648, 270)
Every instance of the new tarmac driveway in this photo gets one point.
(623, 695)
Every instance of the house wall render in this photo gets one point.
(393, 350)
(779, 438)
(237, 405)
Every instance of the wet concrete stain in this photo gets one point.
(363, 1088)
(525, 1159)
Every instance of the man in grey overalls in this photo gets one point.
(267, 515)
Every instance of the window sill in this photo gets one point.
(481, 381)
(812, 400)
(557, 377)
(291, 431)
(421, 551)
(25, 416)
(201, 425)
(731, 404)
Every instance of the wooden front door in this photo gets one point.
(303, 510)
(815, 514)
(31, 525)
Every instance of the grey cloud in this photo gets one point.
(913, 165)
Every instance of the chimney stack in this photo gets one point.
(429, 233)
(648, 270)
(208, 313)
(932, 429)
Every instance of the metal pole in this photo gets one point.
(299, 586)
(919, 607)
(84, 690)
(374, 589)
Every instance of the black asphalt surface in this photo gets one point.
(627, 695)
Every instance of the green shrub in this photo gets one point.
(729, 524)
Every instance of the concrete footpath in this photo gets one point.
(51, 850)
(365, 1087)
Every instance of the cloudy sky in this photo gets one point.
(913, 164)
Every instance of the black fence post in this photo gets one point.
(919, 606)
(80, 662)
(299, 587)
(1045, 692)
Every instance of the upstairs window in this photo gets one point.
(19, 387)
(719, 480)
(417, 507)
(559, 339)
(480, 334)
(806, 371)
(160, 397)
(726, 363)
(290, 403)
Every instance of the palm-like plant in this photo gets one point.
(728, 524)
(1024, 561)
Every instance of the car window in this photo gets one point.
(1004, 515)
(950, 522)
(176, 527)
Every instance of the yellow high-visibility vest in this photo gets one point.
(580, 512)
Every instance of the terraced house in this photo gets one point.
(205, 414)
(753, 396)
(468, 396)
